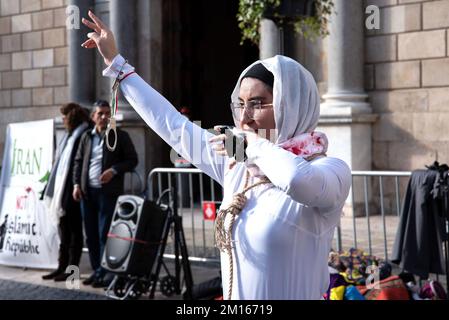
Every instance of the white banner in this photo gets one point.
(28, 238)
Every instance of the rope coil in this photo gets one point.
(223, 237)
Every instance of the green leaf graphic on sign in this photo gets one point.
(45, 177)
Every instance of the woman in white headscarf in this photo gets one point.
(280, 206)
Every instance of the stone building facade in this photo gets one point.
(385, 91)
(407, 78)
(33, 61)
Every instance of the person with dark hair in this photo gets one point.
(283, 199)
(98, 179)
(63, 210)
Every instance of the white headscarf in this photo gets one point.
(296, 101)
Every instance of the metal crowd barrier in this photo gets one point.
(380, 180)
(362, 208)
(199, 233)
(194, 188)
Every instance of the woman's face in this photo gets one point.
(253, 89)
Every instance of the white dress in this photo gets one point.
(284, 233)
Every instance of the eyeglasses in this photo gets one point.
(253, 109)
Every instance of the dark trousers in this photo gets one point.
(71, 234)
(97, 211)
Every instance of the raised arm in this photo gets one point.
(186, 138)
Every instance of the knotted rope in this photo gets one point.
(223, 237)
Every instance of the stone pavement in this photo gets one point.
(13, 290)
(19, 283)
(26, 284)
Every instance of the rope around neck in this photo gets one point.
(223, 237)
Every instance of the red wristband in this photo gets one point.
(127, 75)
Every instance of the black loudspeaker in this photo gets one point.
(134, 236)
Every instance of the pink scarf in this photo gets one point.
(306, 145)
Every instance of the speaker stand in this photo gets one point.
(179, 247)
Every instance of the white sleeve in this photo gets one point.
(321, 183)
(185, 137)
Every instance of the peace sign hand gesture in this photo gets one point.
(102, 38)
